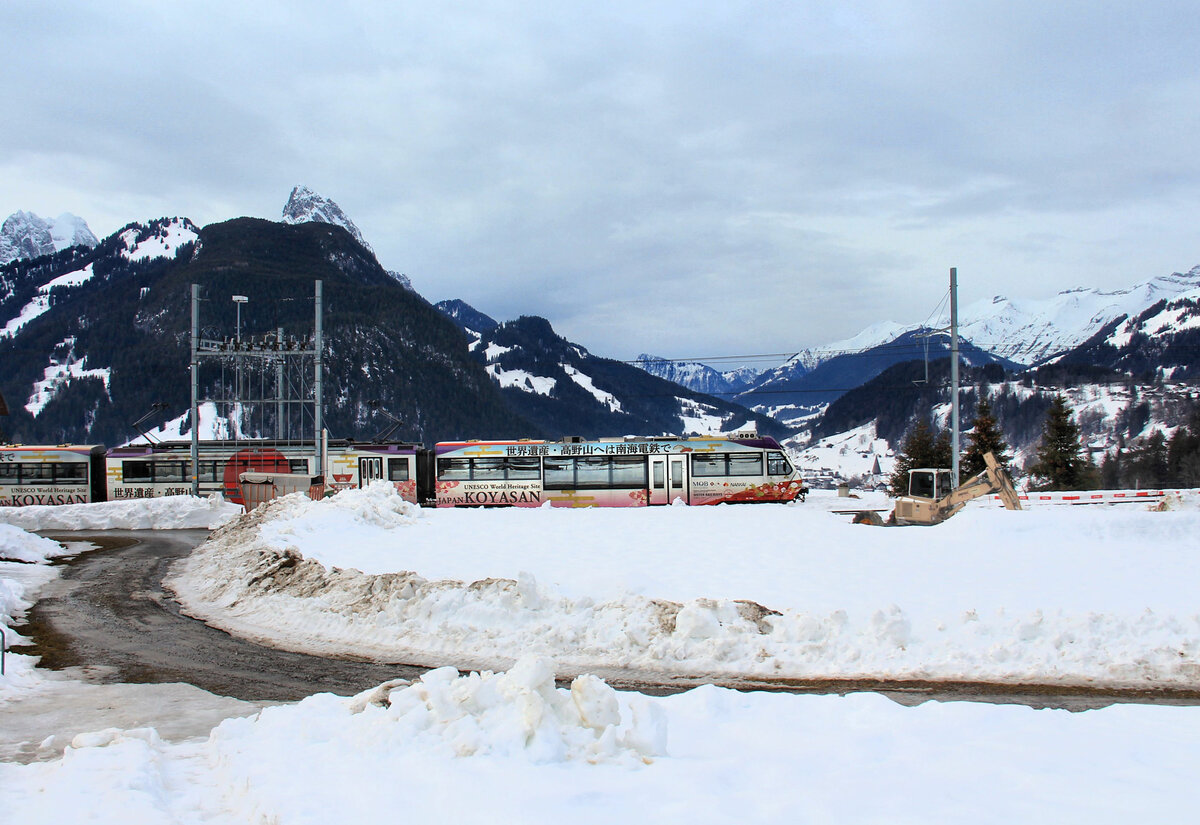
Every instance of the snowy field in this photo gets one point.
(1096, 596)
(1063, 595)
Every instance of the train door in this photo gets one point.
(668, 478)
(370, 468)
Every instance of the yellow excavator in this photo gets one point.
(932, 499)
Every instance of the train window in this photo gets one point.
(629, 471)
(524, 469)
(777, 464)
(745, 464)
(454, 469)
(134, 471)
(487, 469)
(73, 471)
(9, 473)
(592, 471)
(708, 465)
(169, 471)
(298, 466)
(37, 473)
(560, 473)
(210, 471)
(397, 469)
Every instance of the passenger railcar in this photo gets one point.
(614, 472)
(164, 468)
(62, 474)
(618, 472)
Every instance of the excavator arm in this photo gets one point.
(992, 480)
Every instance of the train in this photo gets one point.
(572, 472)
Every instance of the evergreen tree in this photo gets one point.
(1148, 464)
(920, 449)
(1183, 454)
(984, 438)
(1111, 471)
(1060, 462)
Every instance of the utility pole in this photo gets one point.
(954, 457)
(195, 465)
(318, 391)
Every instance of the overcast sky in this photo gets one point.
(684, 178)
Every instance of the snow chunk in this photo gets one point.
(522, 714)
(17, 545)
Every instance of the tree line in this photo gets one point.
(1062, 461)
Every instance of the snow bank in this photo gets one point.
(17, 545)
(166, 513)
(1074, 596)
(21, 573)
(519, 714)
(471, 751)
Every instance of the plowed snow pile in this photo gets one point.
(166, 513)
(1096, 596)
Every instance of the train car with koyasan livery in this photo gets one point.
(573, 472)
(62, 474)
(619, 472)
(164, 468)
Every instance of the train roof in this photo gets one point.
(666, 443)
(75, 448)
(260, 444)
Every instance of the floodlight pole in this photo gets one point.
(954, 412)
(239, 300)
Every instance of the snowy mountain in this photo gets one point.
(25, 235)
(1034, 331)
(22, 302)
(697, 376)
(470, 320)
(306, 206)
(1162, 341)
(93, 339)
(566, 390)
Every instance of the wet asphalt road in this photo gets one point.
(109, 613)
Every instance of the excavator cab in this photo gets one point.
(928, 483)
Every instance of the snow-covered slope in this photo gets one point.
(697, 376)
(305, 206)
(161, 238)
(25, 235)
(1033, 331)
(565, 390)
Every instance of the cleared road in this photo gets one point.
(109, 611)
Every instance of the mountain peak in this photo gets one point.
(305, 206)
(25, 235)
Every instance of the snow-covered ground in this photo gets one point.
(1096, 595)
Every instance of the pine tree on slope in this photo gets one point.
(985, 437)
(920, 449)
(1060, 463)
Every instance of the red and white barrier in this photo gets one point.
(1087, 497)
